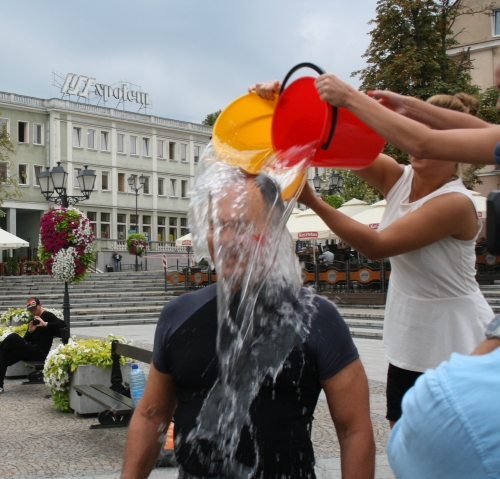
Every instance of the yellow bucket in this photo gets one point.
(242, 137)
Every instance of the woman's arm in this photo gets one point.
(452, 214)
(423, 112)
(463, 145)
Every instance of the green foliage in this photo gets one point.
(6, 330)
(8, 265)
(63, 361)
(210, 118)
(487, 106)
(136, 244)
(334, 200)
(15, 314)
(355, 187)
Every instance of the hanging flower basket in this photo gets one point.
(136, 244)
(66, 246)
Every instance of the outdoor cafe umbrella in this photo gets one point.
(10, 241)
(186, 240)
(373, 215)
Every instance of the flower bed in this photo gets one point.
(136, 244)
(16, 315)
(5, 331)
(63, 360)
(66, 244)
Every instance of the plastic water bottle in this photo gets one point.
(137, 383)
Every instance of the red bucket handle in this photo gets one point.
(334, 108)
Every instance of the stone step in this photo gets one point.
(116, 315)
(366, 333)
(364, 323)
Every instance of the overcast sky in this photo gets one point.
(192, 56)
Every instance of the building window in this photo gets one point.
(120, 143)
(92, 216)
(37, 169)
(497, 22)
(196, 154)
(22, 132)
(172, 229)
(184, 188)
(104, 141)
(173, 184)
(37, 134)
(105, 225)
(146, 226)
(105, 181)
(121, 222)
(133, 223)
(76, 172)
(161, 183)
(171, 150)
(145, 147)
(159, 149)
(146, 185)
(4, 171)
(91, 139)
(183, 152)
(22, 173)
(5, 121)
(133, 145)
(184, 228)
(77, 137)
(161, 228)
(121, 182)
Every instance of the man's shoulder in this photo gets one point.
(47, 315)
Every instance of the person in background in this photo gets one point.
(327, 256)
(117, 257)
(36, 343)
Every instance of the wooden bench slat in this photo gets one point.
(104, 400)
(134, 352)
(113, 394)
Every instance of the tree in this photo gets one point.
(355, 187)
(210, 118)
(334, 200)
(6, 179)
(408, 53)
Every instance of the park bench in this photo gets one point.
(36, 377)
(115, 398)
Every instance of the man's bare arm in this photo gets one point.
(349, 403)
(149, 425)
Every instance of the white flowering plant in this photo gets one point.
(15, 315)
(5, 331)
(63, 360)
(66, 244)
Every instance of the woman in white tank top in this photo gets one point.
(434, 304)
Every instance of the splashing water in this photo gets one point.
(260, 319)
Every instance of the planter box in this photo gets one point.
(89, 374)
(18, 370)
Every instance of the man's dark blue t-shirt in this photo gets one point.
(281, 413)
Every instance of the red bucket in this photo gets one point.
(301, 119)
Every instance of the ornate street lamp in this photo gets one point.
(133, 186)
(53, 186)
(335, 183)
(317, 181)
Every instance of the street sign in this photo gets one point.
(164, 260)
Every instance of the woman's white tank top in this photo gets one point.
(434, 305)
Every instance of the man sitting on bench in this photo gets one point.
(36, 343)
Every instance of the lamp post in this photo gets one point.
(53, 186)
(335, 183)
(133, 186)
(317, 181)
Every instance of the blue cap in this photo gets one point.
(496, 154)
(134, 366)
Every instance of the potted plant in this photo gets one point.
(15, 317)
(136, 244)
(81, 361)
(66, 246)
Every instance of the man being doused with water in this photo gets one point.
(240, 364)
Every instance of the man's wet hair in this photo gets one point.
(271, 195)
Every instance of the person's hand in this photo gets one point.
(333, 90)
(266, 90)
(41, 324)
(307, 196)
(389, 99)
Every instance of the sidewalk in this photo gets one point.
(40, 442)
